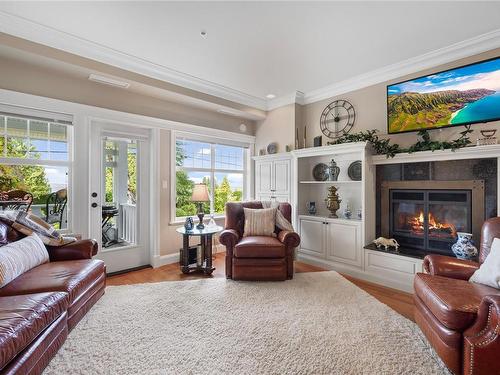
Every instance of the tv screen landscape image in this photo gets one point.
(456, 97)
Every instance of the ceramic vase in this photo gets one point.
(311, 208)
(334, 171)
(463, 248)
(347, 211)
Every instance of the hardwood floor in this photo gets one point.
(399, 301)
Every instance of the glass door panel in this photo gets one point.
(119, 208)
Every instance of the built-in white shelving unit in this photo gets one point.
(335, 243)
(338, 243)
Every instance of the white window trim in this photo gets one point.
(174, 220)
(27, 113)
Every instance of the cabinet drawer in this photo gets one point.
(382, 262)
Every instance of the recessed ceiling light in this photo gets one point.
(270, 96)
(108, 81)
(203, 33)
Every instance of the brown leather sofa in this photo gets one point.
(460, 319)
(257, 257)
(38, 308)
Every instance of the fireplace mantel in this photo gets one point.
(473, 152)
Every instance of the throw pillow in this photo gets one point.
(259, 222)
(18, 257)
(489, 272)
(27, 224)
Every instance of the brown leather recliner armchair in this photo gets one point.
(460, 319)
(257, 257)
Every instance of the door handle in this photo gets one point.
(94, 205)
(94, 195)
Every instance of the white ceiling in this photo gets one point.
(262, 48)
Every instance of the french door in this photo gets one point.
(119, 194)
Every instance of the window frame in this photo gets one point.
(43, 162)
(213, 141)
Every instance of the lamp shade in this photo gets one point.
(200, 193)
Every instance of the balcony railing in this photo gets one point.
(127, 223)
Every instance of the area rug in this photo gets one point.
(317, 323)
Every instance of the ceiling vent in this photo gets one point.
(108, 81)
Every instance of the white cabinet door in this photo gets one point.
(312, 235)
(343, 243)
(281, 198)
(264, 177)
(281, 169)
(263, 197)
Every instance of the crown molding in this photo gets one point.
(38, 33)
(292, 98)
(457, 51)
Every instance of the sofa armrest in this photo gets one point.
(83, 249)
(440, 265)
(289, 238)
(229, 238)
(482, 339)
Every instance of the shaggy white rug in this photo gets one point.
(317, 323)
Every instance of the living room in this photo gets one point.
(249, 187)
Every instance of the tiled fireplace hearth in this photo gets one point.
(423, 205)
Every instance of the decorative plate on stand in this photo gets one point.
(320, 172)
(354, 171)
(272, 148)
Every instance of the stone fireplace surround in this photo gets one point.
(479, 176)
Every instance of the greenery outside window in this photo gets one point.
(35, 157)
(221, 167)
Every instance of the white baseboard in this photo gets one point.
(162, 260)
(359, 273)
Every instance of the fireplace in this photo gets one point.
(426, 215)
(429, 219)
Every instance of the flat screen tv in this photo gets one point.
(466, 95)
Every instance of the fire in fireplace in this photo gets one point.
(436, 228)
(425, 215)
(429, 219)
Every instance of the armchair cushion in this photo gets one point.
(453, 302)
(260, 222)
(440, 265)
(259, 247)
(489, 272)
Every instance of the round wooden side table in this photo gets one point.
(205, 235)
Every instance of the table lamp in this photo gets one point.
(200, 196)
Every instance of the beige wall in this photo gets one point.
(279, 127)
(370, 106)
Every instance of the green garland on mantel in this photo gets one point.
(384, 146)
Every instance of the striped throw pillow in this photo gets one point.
(18, 257)
(259, 222)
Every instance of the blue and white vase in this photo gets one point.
(463, 248)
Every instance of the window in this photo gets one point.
(221, 167)
(34, 157)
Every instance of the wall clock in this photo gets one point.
(337, 119)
